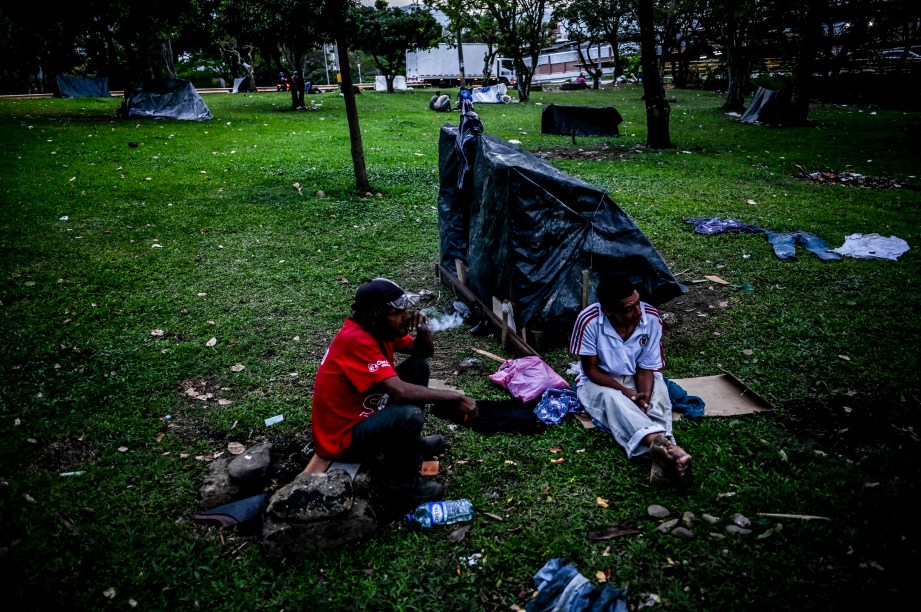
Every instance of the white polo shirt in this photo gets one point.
(594, 334)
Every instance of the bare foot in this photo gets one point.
(669, 461)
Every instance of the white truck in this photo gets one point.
(439, 66)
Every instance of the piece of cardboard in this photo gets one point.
(724, 395)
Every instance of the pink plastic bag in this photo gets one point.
(527, 378)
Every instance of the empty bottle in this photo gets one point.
(442, 512)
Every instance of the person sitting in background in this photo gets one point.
(440, 102)
(619, 343)
(363, 406)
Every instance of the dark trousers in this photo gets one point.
(395, 431)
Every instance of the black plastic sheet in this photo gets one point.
(526, 231)
(767, 106)
(167, 99)
(580, 120)
(69, 86)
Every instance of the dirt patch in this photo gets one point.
(63, 454)
(604, 152)
(686, 316)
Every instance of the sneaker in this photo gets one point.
(416, 492)
(431, 446)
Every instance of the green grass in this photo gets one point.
(269, 271)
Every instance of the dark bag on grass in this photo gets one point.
(496, 416)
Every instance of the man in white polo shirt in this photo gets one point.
(619, 343)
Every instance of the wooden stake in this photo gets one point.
(585, 285)
(461, 271)
(488, 354)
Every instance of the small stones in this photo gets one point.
(741, 521)
(683, 533)
(709, 518)
(667, 526)
(657, 512)
(736, 530)
(687, 520)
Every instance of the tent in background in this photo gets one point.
(580, 120)
(767, 106)
(167, 99)
(526, 231)
(69, 86)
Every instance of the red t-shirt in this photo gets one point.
(342, 394)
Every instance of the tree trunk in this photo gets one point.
(657, 108)
(805, 63)
(166, 49)
(351, 113)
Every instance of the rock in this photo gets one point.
(741, 520)
(313, 497)
(218, 488)
(712, 520)
(656, 511)
(718, 536)
(736, 530)
(282, 538)
(667, 526)
(687, 520)
(252, 465)
(472, 366)
(681, 532)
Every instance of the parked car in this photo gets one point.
(894, 55)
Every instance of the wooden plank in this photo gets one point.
(469, 297)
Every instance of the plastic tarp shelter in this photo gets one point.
(399, 83)
(168, 99)
(491, 94)
(580, 120)
(767, 106)
(240, 84)
(526, 231)
(81, 87)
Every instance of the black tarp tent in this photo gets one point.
(69, 86)
(767, 106)
(580, 120)
(167, 99)
(526, 230)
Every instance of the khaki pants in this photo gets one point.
(626, 421)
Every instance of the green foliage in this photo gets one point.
(387, 33)
(217, 230)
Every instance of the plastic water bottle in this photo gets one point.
(442, 512)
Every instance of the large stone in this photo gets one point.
(657, 512)
(667, 526)
(252, 465)
(313, 497)
(683, 533)
(741, 520)
(282, 538)
(218, 488)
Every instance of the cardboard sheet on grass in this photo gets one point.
(724, 396)
(527, 230)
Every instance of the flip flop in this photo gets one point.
(236, 512)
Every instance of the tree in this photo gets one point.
(657, 109)
(388, 33)
(524, 31)
(595, 22)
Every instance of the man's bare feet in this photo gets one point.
(670, 462)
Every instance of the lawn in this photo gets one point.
(128, 245)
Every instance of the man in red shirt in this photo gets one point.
(364, 406)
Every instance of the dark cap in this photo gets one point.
(380, 291)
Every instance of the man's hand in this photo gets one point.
(418, 322)
(468, 408)
(640, 399)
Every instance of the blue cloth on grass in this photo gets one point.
(561, 588)
(784, 244)
(555, 404)
(689, 406)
